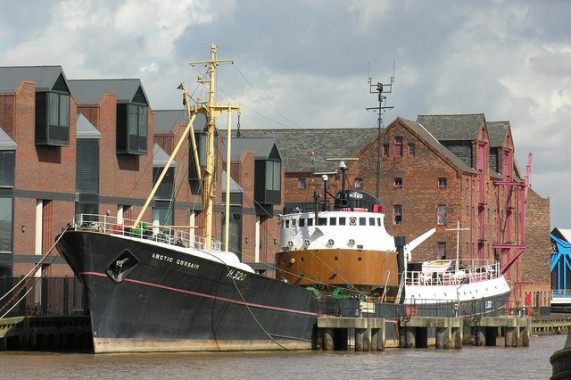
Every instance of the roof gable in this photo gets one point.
(498, 132)
(90, 91)
(166, 120)
(263, 147)
(45, 78)
(453, 127)
(431, 141)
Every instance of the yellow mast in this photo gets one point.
(212, 111)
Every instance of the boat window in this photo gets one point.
(332, 221)
(342, 221)
(321, 221)
(310, 222)
(371, 221)
(287, 223)
(302, 222)
(379, 222)
(362, 221)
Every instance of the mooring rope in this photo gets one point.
(247, 305)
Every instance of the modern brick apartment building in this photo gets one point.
(436, 172)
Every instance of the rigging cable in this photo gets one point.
(264, 99)
(32, 271)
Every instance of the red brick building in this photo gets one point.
(435, 172)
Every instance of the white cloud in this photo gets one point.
(308, 60)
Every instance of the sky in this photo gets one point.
(307, 63)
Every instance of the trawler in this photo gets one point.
(345, 252)
(151, 288)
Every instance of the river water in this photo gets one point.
(465, 363)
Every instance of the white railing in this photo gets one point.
(466, 274)
(164, 234)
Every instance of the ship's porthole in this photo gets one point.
(302, 259)
(351, 242)
(359, 258)
(336, 258)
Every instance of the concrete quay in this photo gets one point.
(370, 334)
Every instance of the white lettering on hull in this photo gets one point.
(170, 259)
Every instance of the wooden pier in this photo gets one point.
(46, 333)
(551, 324)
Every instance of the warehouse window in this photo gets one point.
(441, 217)
(397, 214)
(398, 146)
(411, 150)
(441, 250)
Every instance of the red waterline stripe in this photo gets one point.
(204, 295)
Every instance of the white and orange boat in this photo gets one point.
(347, 252)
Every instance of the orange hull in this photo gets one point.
(363, 269)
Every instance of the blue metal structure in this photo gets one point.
(560, 270)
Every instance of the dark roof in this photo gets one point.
(262, 147)
(295, 145)
(90, 91)
(453, 127)
(166, 120)
(86, 130)
(431, 141)
(497, 131)
(43, 76)
(563, 234)
(6, 143)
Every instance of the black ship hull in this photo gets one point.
(147, 297)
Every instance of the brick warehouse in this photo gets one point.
(432, 173)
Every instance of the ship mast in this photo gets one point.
(211, 111)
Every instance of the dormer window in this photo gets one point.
(132, 128)
(52, 118)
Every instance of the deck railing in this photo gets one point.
(472, 271)
(144, 230)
